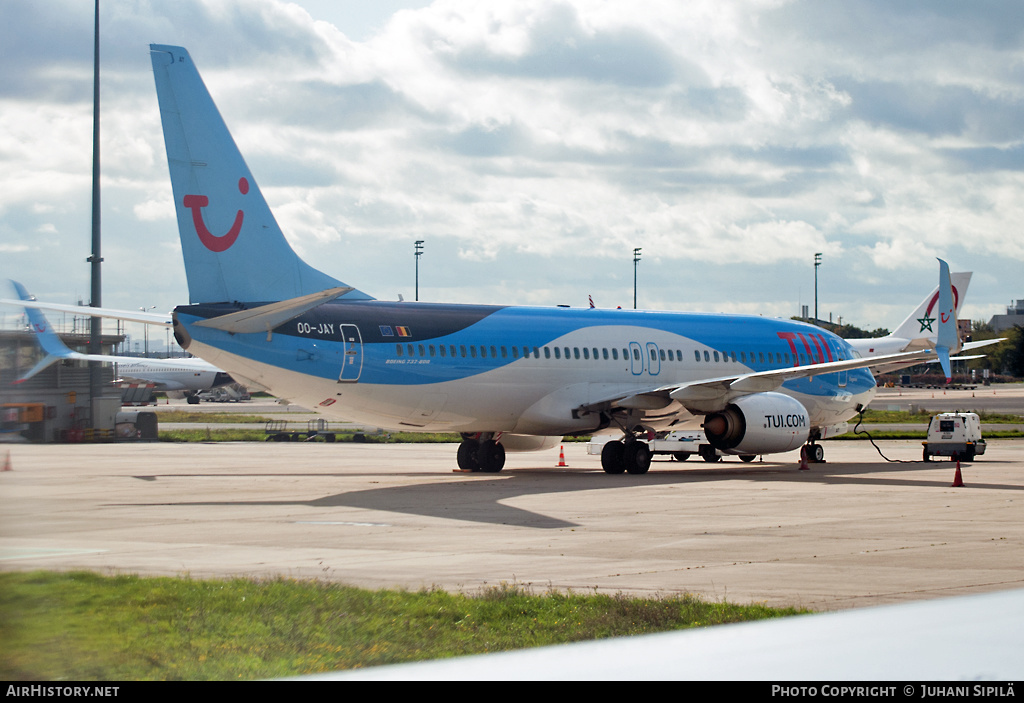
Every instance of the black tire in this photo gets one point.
(613, 459)
(637, 458)
(681, 456)
(490, 457)
(709, 455)
(926, 455)
(747, 457)
(467, 456)
(817, 453)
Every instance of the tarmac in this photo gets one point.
(855, 531)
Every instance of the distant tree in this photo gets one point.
(1013, 358)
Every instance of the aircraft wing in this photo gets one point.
(714, 394)
(147, 318)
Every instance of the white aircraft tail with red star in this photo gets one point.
(920, 330)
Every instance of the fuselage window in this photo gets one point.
(558, 353)
(494, 353)
(586, 353)
(472, 351)
(760, 357)
(615, 354)
(625, 354)
(444, 350)
(547, 353)
(604, 353)
(515, 352)
(661, 353)
(536, 352)
(654, 355)
(566, 352)
(743, 357)
(595, 352)
(671, 355)
(707, 355)
(412, 352)
(696, 354)
(398, 349)
(778, 358)
(463, 350)
(504, 352)
(483, 352)
(575, 352)
(636, 354)
(716, 355)
(431, 349)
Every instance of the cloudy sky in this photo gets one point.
(532, 144)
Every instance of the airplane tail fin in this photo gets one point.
(948, 339)
(919, 327)
(233, 248)
(48, 339)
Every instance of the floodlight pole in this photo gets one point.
(817, 263)
(419, 253)
(95, 328)
(636, 260)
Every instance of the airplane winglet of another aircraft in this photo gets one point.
(948, 341)
(48, 339)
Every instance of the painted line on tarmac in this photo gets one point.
(354, 524)
(12, 553)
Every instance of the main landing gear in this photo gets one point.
(629, 455)
(481, 452)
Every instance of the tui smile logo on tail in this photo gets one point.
(213, 242)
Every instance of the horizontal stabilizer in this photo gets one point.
(266, 317)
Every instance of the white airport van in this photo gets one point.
(954, 435)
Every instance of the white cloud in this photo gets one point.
(728, 139)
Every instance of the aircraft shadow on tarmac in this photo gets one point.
(482, 498)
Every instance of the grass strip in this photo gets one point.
(84, 626)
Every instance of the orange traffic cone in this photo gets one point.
(7, 462)
(958, 480)
(561, 456)
(803, 460)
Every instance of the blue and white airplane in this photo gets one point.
(189, 375)
(505, 377)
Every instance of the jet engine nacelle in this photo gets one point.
(762, 423)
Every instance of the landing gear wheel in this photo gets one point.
(467, 456)
(708, 454)
(747, 457)
(613, 457)
(490, 457)
(637, 458)
(817, 453)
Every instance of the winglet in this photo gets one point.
(48, 339)
(948, 341)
